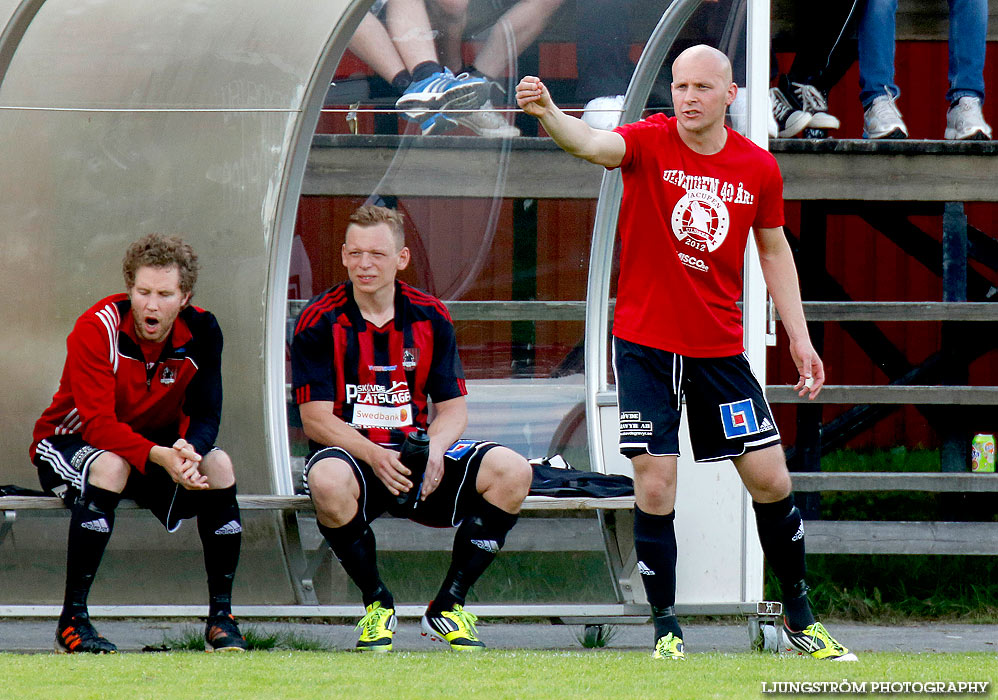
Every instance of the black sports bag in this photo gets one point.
(553, 479)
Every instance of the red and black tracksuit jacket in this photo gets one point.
(117, 403)
(339, 357)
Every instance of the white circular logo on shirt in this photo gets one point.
(702, 216)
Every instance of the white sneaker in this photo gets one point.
(883, 120)
(485, 121)
(772, 128)
(604, 112)
(814, 102)
(790, 121)
(965, 122)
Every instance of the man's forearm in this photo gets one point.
(577, 138)
(781, 281)
(445, 430)
(569, 133)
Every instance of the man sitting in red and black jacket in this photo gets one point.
(136, 415)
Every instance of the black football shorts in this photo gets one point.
(728, 411)
(447, 506)
(63, 461)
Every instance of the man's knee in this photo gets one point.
(217, 466)
(334, 491)
(109, 472)
(504, 478)
(655, 483)
(764, 473)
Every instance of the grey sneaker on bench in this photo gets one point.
(965, 121)
(882, 120)
(485, 121)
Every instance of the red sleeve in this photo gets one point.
(636, 132)
(769, 214)
(90, 354)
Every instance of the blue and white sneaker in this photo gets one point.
(442, 91)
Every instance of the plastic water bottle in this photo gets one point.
(414, 455)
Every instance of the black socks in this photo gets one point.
(476, 544)
(354, 547)
(655, 547)
(220, 528)
(425, 69)
(401, 81)
(781, 533)
(90, 529)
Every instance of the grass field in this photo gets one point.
(494, 674)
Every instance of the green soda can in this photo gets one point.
(982, 454)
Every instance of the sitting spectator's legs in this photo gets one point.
(876, 51)
(409, 28)
(372, 45)
(450, 17)
(878, 92)
(524, 21)
(968, 28)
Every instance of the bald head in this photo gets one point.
(701, 91)
(705, 58)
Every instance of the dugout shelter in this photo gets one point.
(217, 121)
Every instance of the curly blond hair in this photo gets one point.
(157, 250)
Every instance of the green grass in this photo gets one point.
(191, 638)
(493, 675)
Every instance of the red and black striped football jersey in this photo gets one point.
(378, 379)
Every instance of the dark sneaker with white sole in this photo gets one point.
(80, 637)
(221, 633)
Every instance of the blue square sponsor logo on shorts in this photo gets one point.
(738, 419)
(459, 449)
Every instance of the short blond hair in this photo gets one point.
(371, 215)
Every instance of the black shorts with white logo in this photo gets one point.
(64, 460)
(728, 411)
(447, 506)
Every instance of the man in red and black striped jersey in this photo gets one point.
(368, 357)
(136, 415)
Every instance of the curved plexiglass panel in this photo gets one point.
(126, 118)
(499, 224)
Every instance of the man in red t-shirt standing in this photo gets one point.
(692, 191)
(136, 415)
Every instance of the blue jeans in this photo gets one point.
(968, 28)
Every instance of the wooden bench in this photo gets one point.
(600, 534)
(823, 536)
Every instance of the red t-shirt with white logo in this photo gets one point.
(684, 223)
